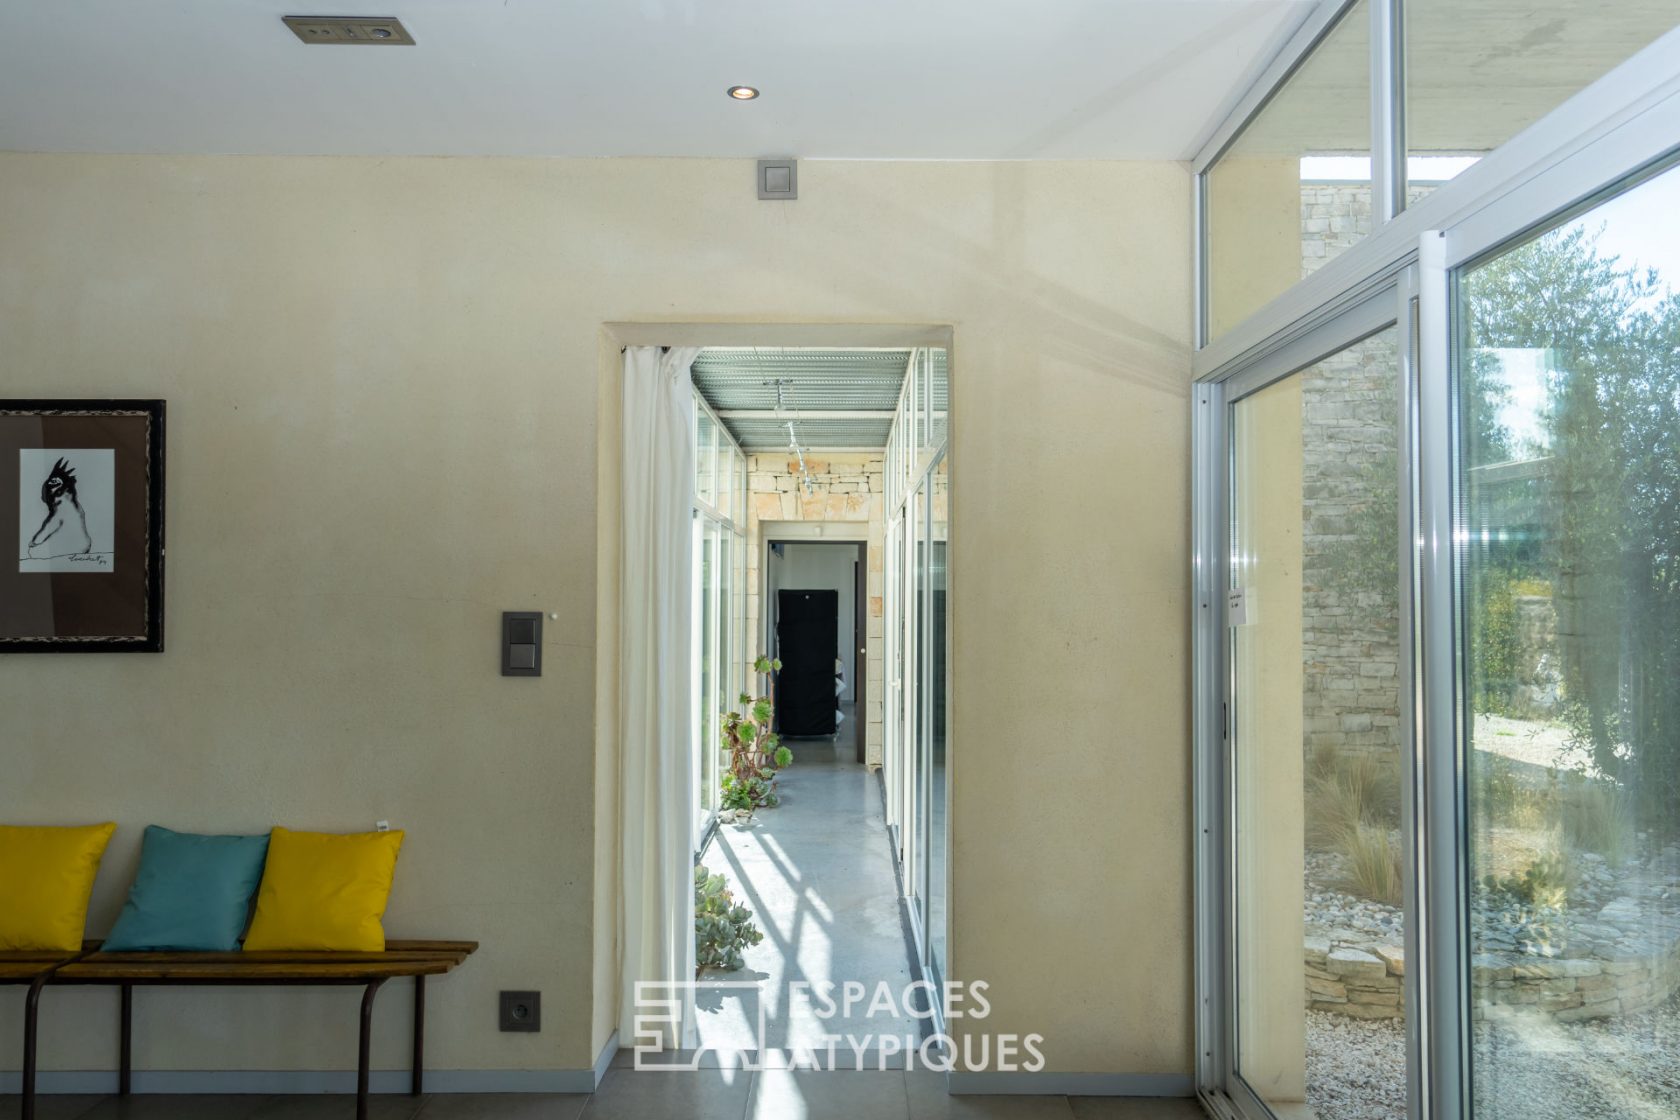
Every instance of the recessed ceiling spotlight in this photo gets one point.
(743, 93)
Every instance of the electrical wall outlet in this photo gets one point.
(521, 1011)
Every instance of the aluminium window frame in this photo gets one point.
(1619, 130)
(734, 531)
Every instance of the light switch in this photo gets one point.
(522, 643)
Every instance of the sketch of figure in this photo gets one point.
(64, 531)
(66, 510)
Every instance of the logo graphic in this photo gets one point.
(662, 1007)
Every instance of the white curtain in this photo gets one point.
(656, 702)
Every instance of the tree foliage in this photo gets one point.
(1605, 510)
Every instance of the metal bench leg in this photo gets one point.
(362, 1058)
(419, 1067)
(125, 1046)
(31, 1017)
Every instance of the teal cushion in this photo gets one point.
(192, 892)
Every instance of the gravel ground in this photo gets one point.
(1614, 1069)
(1356, 1068)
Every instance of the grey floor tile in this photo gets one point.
(779, 1094)
(50, 1106)
(503, 1106)
(190, 1106)
(1136, 1108)
(338, 1106)
(626, 1094)
(930, 1101)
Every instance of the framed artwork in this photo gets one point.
(81, 501)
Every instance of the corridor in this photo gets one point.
(817, 873)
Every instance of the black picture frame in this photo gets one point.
(91, 472)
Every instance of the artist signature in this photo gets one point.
(88, 558)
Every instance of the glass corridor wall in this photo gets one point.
(720, 553)
(916, 741)
(1437, 428)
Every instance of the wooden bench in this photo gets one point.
(128, 971)
(35, 969)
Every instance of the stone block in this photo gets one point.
(1317, 949)
(1368, 1011)
(1374, 997)
(1355, 963)
(1592, 1011)
(1328, 990)
(1394, 957)
(1485, 968)
(1557, 968)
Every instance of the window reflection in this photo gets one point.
(1570, 392)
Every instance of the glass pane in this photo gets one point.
(1319, 923)
(937, 697)
(1480, 71)
(1294, 190)
(1570, 393)
(725, 475)
(723, 696)
(939, 398)
(919, 599)
(705, 457)
(708, 664)
(892, 714)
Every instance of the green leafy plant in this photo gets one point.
(1596, 522)
(755, 751)
(1545, 882)
(722, 927)
(1496, 646)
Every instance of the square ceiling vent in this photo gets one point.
(367, 31)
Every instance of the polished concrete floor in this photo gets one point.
(817, 873)
(628, 1095)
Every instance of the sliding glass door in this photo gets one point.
(1439, 765)
(1317, 866)
(1568, 375)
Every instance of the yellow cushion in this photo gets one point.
(46, 876)
(324, 891)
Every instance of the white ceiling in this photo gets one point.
(861, 79)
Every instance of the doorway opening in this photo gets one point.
(817, 596)
(814, 512)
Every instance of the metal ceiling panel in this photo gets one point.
(807, 381)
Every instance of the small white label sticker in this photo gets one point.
(1236, 607)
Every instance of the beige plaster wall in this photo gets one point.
(1254, 236)
(384, 379)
